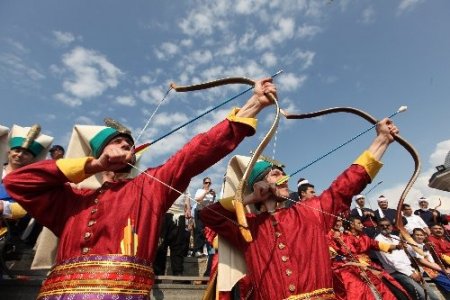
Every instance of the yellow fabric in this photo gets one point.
(17, 211)
(3, 231)
(446, 258)
(384, 246)
(215, 242)
(368, 162)
(73, 168)
(333, 253)
(227, 203)
(248, 121)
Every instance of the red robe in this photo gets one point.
(441, 245)
(347, 281)
(289, 254)
(93, 222)
(442, 248)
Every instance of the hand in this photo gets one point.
(401, 245)
(111, 159)
(336, 234)
(262, 88)
(393, 247)
(387, 130)
(415, 276)
(187, 214)
(262, 192)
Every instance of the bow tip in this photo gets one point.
(402, 108)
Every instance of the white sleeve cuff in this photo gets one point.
(6, 209)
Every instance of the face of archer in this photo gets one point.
(273, 177)
(123, 143)
(19, 157)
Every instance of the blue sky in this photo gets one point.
(76, 62)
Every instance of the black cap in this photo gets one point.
(56, 147)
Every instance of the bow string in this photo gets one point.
(406, 145)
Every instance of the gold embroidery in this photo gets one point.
(129, 244)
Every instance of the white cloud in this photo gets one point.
(291, 82)
(205, 19)
(70, 101)
(166, 51)
(315, 8)
(63, 38)
(152, 95)
(420, 188)
(168, 145)
(368, 15)
(15, 66)
(229, 49)
(92, 74)
(186, 43)
(305, 57)
(247, 38)
(284, 29)
(126, 100)
(145, 79)
(308, 31)
(17, 46)
(57, 70)
(438, 156)
(247, 7)
(406, 5)
(84, 120)
(269, 59)
(201, 56)
(165, 119)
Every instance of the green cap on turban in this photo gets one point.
(260, 170)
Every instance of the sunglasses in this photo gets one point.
(207, 182)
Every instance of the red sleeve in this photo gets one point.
(42, 189)
(223, 222)
(365, 243)
(338, 197)
(202, 152)
(440, 246)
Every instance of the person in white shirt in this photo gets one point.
(437, 272)
(203, 197)
(398, 265)
(414, 221)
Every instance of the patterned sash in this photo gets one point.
(101, 277)
(326, 293)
